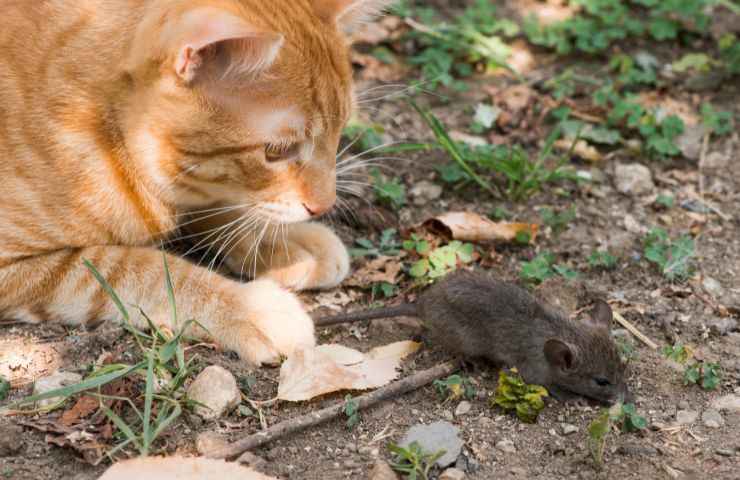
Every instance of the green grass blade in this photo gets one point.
(170, 291)
(122, 426)
(148, 399)
(108, 289)
(446, 142)
(89, 384)
(166, 422)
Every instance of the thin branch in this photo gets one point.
(313, 419)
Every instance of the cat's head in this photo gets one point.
(243, 101)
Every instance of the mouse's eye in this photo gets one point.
(602, 382)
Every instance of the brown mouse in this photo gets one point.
(474, 315)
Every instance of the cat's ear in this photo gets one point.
(349, 13)
(217, 44)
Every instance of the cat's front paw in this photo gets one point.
(312, 257)
(276, 324)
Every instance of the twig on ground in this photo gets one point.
(634, 331)
(302, 422)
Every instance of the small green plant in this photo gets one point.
(602, 259)
(718, 123)
(543, 267)
(364, 137)
(679, 353)
(514, 173)
(558, 221)
(412, 461)
(442, 260)
(673, 257)
(604, 22)
(387, 245)
(455, 387)
(513, 394)
(387, 290)
(623, 415)
(246, 383)
(450, 50)
(4, 388)
(707, 375)
(390, 191)
(416, 244)
(351, 411)
(666, 201)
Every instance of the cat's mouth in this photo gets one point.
(280, 213)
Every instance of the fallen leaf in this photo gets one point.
(83, 408)
(381, 269)
(471, 227)
(333, 300)
(314, 371)
(581, 149)
(667, 106)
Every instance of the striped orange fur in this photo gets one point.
(124, 123)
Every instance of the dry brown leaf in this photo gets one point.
(381, 269)
(582, 149)
(670, 106)
(471, 227)
(314, 371)
(83, 408)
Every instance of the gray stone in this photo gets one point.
(208, 442)
(463, 408)
(215, 388)
(452, 474)
(382, 471)
(53, 382)
(435, 437)
(722, 326)
(424, 192)
(728, 403)
(10, 440)
(715, 161)
(633, 179)
(252, 461)
(690, 142)
(569, 429)
(713, 287)
(506, 446)
(686, 417)
(712, 419)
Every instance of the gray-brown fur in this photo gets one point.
(474, 315)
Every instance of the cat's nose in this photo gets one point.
(317, 209)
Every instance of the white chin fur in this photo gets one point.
(280, 213)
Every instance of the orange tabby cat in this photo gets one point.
(121, 118)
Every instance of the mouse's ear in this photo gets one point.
(601, 315)
(559, 354)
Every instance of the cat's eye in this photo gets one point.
(602, 382)
(281, 153)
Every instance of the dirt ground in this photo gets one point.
(690, 312)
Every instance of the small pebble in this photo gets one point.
(506, 446)
(712, 419)
(686, 417)
(568, 429)
(452, 474)
(463, 408)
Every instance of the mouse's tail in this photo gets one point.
(406, 309)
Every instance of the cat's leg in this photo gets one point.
(259, 320)
(299, 256)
